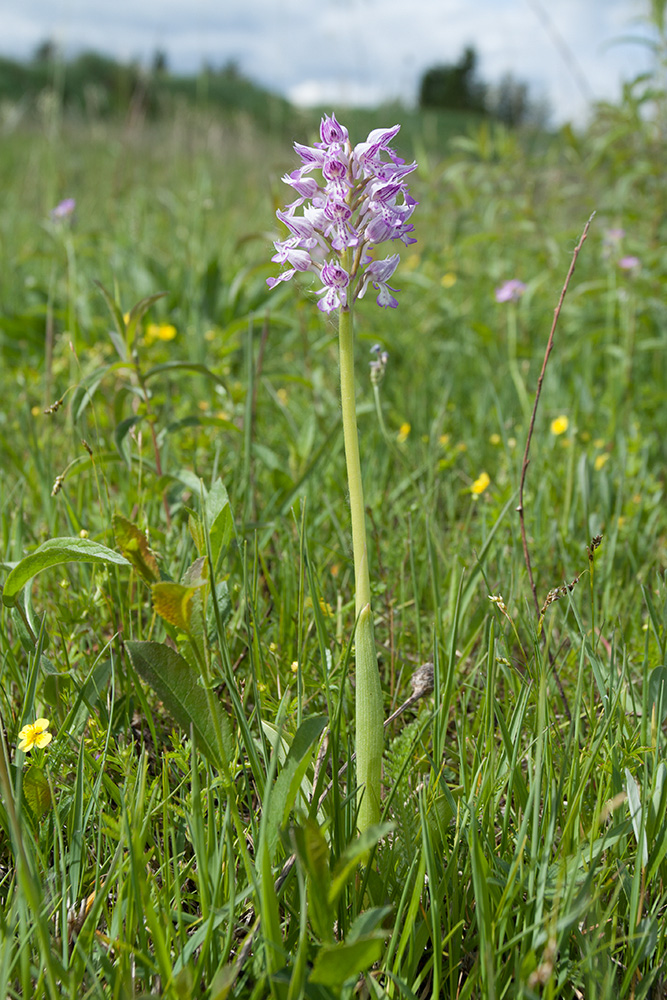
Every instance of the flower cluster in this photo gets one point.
(362, 201)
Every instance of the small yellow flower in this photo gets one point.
(126, 318)
(448, 279)
(495, 439)
(585, 436)
(403, 432)
(295, 667)
(282, 396)
(159, 331)
(599, 442)
(444, 440)
(480, 484)
(411, 262)
(203, 404)
(462, 446)
(601, 460)
(36, 410)
(325, 608)
(559, 425)
(83, 533)
(35, 735)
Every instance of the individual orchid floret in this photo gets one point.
(359, 200)
(378, 273)
(335, 280)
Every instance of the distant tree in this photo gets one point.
(45, 53)
(160, 63)
(453, 86)
(510, 102)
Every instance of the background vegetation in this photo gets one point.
(527, 849)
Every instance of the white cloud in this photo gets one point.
(353, 50)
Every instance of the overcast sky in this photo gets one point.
(354, 51)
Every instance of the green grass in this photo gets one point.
(526, 849)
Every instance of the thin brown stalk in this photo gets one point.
(531, 428)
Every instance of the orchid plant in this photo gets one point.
(358, 200)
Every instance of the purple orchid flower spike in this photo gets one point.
(361, 201)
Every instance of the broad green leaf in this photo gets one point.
(36, 791)
(132, 542)
(337, 963)
(289, 780)
(54, 552)
(174, 603)
(177, 685)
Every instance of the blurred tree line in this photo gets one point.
(97, 85)
(457, 87)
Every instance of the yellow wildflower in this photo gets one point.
(295, 667)
(282, 396)
(35, 735)
(403, 432)
(448, 279)
(444, 440)
(559, 425)
(159, 331)
(601, 460)
(599, 442)
(495, 439)
(36, 410)
(480, 484)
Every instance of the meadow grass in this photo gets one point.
(523, 849)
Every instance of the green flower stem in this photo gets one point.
(369, 738)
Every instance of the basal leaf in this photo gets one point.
(52, 553)
(177, 685)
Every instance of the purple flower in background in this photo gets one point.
(64, 209)
(510, 291)
(629, 263)
(361, 201)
